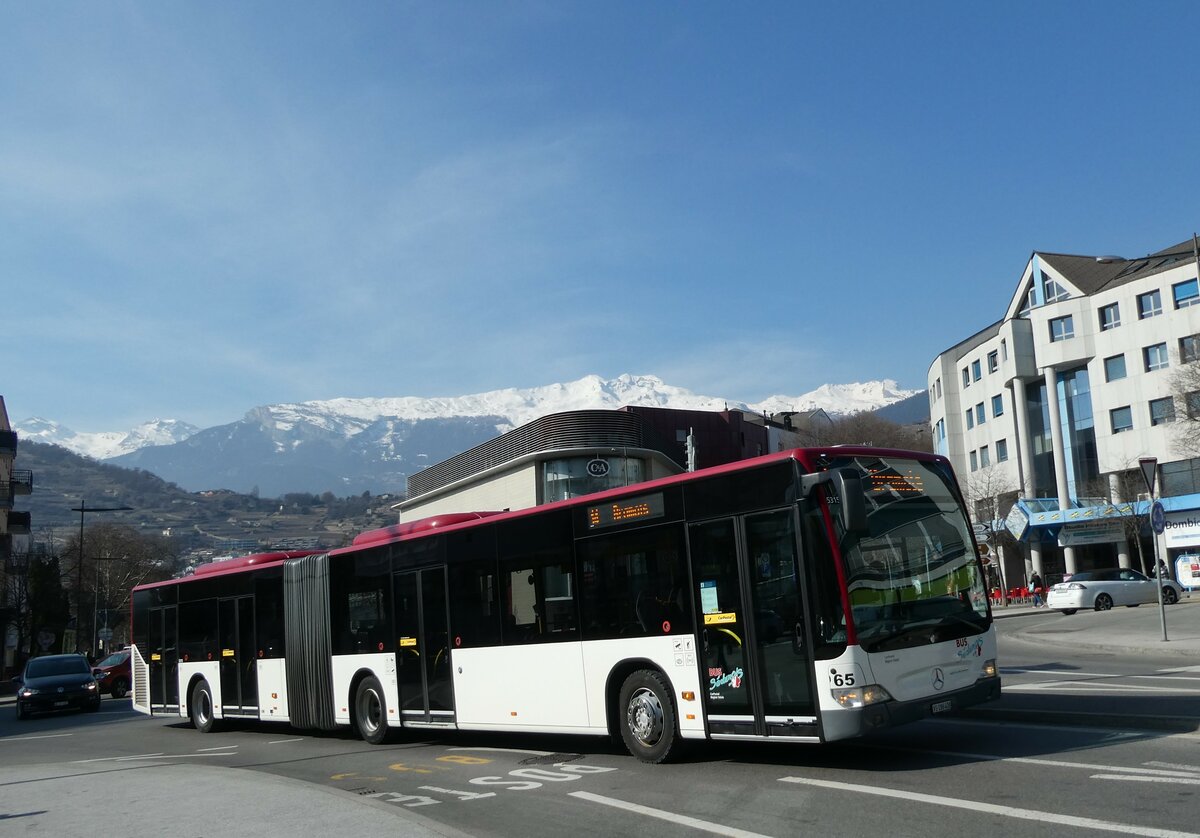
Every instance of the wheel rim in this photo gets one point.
(1169, 596)
(644, 716)
(203, 707)
(1103, 602)
(370, 711)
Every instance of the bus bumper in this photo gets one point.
(892, 713)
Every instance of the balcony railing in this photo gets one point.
(19, 522)
(22, 481)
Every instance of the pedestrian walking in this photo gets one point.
(1035, 588)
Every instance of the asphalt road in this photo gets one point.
(1112, 771)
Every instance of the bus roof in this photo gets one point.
(423, 527)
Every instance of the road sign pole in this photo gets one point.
(1158, 519)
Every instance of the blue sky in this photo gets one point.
(207, 207)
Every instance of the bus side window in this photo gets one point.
(633, 584)
(474, 609)
(537, 578)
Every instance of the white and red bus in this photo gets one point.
(804, 596)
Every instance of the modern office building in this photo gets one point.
(1047, 412)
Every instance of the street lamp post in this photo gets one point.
(97, 640)
(81, 509)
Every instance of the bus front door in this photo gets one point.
(239, 670)
(163, 660)
(423, 647)
(757, 678)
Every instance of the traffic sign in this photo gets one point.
(1158, 518)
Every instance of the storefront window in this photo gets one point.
(571, 477)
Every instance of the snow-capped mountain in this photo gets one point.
(518, 406)
(371, 444)
(106, 444)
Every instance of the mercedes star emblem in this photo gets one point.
(939, 678)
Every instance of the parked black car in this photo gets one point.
(56, 682)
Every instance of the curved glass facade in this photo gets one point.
(570, 477)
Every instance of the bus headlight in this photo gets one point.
(989, 668)
(855, 697)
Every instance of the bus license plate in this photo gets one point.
(943, 707)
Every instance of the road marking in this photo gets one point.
(25, 738)
(282, 741)
(1087, 686)
(1050, 763)
(1074, 672)
(1040, 816)
(1193, 768)
(672, 817)
(222, 748)
(110, 759)
(1180, 781)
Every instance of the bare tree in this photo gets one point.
(990, 494)
(867, 428)
(1126, 485)
(1185, 389)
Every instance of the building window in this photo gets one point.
(1192, 404)
(1062, 328)
(1004, 349)
(1001, 450)
(1052, 291)
(985, 458)
(1122, 419)
(1189, 349)
(980, 414)
(939, 388)
(1155, 357)
(970, 418)
(966, 377)
(993, 361)
(1149, 304)
(976, 371)
(1110, 317)
(1185, 293)
(1114, 368)
(974, 461)
(1162, 411)
(998, 405)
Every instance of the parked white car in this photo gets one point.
(1102, 589)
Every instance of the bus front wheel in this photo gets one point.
(201, 708)
(370, 711)
(647, 716)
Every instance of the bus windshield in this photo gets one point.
(912, 577)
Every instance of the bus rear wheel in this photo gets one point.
(370, 711)
(647, 716)
(201, 707)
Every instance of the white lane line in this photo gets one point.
(1040, 816)
(1089, 686)
(281, 741)
(222, 748)
(1194, 768)
(1049, 763)
(1180, 781)
(672, 817)
(111, 759)
(27, 738)
(1172, 676)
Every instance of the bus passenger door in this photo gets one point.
(756, 669)
(163, 660)
(423, 651)
(239, 682)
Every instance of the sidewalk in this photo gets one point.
(1142, 634)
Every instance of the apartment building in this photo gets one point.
(14, 538)
(1046, 412)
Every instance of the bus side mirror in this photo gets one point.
(851, 503)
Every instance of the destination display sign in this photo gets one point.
(625, 511)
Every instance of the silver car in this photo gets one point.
(1102, 589)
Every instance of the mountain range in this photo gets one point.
(348, 446)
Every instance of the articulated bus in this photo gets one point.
(804, 596)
